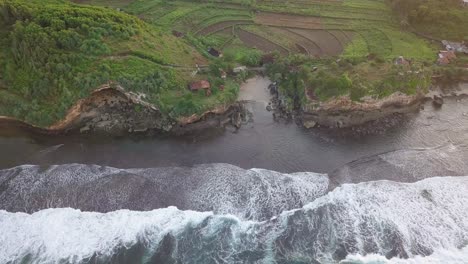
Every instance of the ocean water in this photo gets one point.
(400, 197)
(370, 222)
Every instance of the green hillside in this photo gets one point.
(53, 53)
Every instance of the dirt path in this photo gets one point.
(255, 89)
(221, 26)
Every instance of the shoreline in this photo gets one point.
(343, 113)
(110, 110)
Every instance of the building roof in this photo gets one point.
(214, 52)
(445, 57)
(203, 84)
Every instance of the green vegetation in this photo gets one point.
(323, 80)
(445, 19)
(54, 52)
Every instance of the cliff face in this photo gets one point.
(343, 112)
(112, 110)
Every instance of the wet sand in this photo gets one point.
(255, 89)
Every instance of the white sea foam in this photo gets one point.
(429, 218)
(225, 189)
(54, 235)
(429, 214)
(440, 256)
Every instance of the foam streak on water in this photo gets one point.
(374, 219)
(225, 189)
(452, 256)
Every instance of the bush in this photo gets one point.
(327, 85)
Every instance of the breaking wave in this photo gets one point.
(255, 194)
(368, 222)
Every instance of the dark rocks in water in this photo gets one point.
(236, 120)
(437, 101)
(427, 195)
(309, 124)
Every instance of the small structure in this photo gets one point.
(445, 57)
(402, 61)
(199, 85)
(455, 46)
(215, 53)
(239, 69)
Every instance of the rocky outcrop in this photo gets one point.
(230, 115)
(343, 112)
(111, 110)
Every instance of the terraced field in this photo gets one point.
(255, 41)
(318, 28)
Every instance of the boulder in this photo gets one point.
(437, 101)
(309, 124)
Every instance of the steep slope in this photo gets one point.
(54, 52)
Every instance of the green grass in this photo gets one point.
(356, 48)
(54, 52)
(63, 51)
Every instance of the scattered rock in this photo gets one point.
(140, 130)
(309, 124)
(85, 129)
(437, 101)
(427, 195)
(237, 120)
(106, 117)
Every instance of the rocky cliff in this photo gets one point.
(343, 112)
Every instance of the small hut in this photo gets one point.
(201, 85)
(445, 57)
(215, 53)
